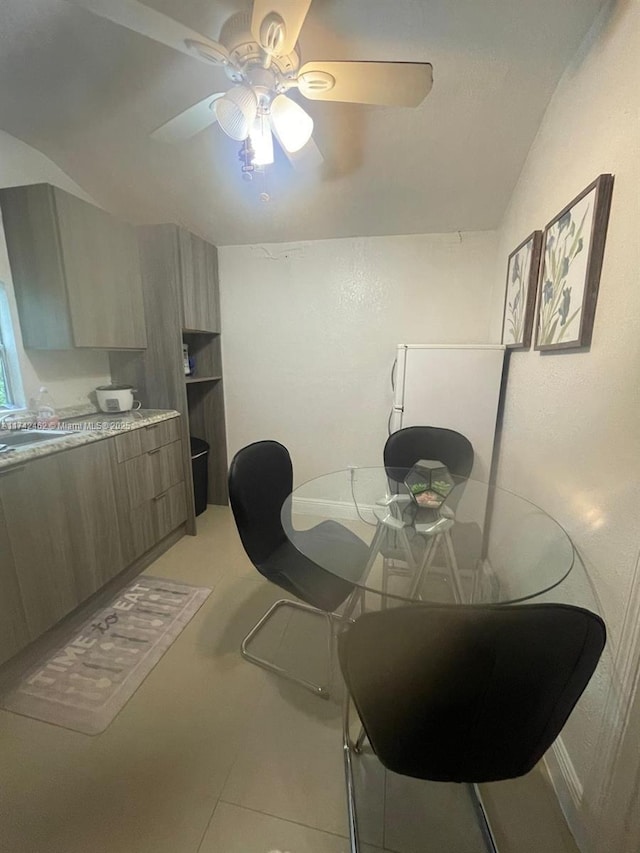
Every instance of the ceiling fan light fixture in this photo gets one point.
(261, 140)
(290, 123)
(237, 111)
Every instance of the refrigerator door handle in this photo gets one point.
(395, 420)
(394, 368)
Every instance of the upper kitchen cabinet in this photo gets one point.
(76, 271)
(199, 279)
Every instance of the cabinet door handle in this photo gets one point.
(153, 452)
(160, 497)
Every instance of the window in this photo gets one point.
(11, 396)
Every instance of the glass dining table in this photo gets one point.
(474, 544)
(481, 545)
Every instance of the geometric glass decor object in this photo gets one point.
(429, 483)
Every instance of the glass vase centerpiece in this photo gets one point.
(429, 483)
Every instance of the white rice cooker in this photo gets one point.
(116, 398)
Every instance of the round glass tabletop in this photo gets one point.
(430, 536)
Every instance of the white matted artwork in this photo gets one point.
(573, 250)
(520, 292)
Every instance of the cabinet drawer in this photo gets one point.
(139, 531)
(170, 510)
(139, 441)
(166, 467)
(154, 519)
(156, 435)
(153, 473)
(128, 445)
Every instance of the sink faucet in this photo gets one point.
(16, 417)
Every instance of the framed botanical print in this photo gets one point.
(573, 250)
(520, 292)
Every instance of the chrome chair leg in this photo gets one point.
(356, 597)
(362, 736)
(319, 690)
(347, 747)
(453, 568)
(425, 565)
(481, 816)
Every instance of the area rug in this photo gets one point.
(82, 684)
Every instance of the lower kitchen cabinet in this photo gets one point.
(14, 633)
(35, 511)
(71, 521)
(92, 516)
(150, 478)
(152, 520)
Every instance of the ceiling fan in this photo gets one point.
(258, 51)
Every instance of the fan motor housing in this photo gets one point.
(244, 49)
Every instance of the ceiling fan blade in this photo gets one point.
(307, 159)
(188, 123)
(395, 84)
(154, 25)
(275, 36)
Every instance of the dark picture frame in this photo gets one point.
(523, 266)
(572, 256)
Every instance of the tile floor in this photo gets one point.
(213, 755)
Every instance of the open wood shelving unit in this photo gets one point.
(181, 301)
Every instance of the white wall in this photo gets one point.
(69, 376)
(309, 335)
(571, 439)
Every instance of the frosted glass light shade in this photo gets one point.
(261, 141)
(290, 123)
(236, 111)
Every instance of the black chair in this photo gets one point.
(260, 480)
(401, 452)
(465, 693)
(407, 446)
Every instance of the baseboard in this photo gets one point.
(569, 790)
(330, 509)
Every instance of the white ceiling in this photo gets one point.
(87, 94)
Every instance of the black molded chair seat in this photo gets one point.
(407, 446)
(468, 693)
(465, 693)
(298, 574)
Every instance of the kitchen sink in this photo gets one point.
(15, 438)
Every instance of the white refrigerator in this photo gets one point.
(453, 386)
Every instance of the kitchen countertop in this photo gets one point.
(84, 430)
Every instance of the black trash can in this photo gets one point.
(199, 464)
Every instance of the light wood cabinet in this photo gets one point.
(76, 271)
(199, 283)
(71, 521)
(149, 475)
(35, 511)
(151, 485)
(181, 296)
(91, 503)
(14, 633)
